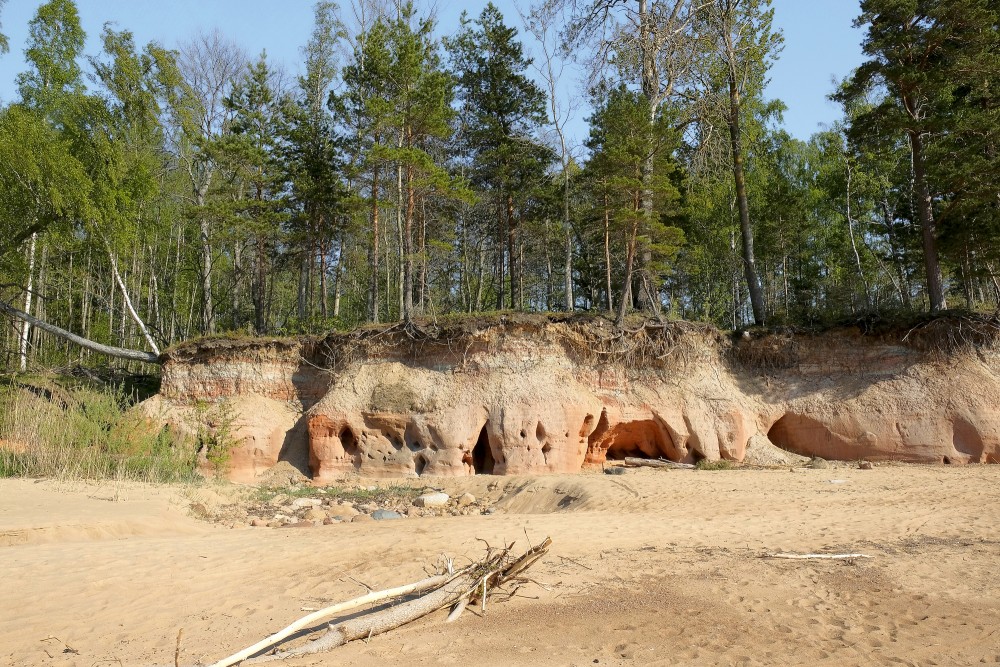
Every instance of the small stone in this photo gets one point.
(865, 465)
(466, 499)
(368, 508)
(616, 470)
(361, 517)
(386, 515)
(307, 502)
(314, 514)
(818, 464)
(329, 521)
(299, 524)
(431, 500)
(490, 510)
(258, 523)
(291, 520)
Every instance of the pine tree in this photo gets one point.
(501, 109)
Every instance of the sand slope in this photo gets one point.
(651, 567)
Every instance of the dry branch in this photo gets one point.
(472, 585)
(305, 621)
(816, 556)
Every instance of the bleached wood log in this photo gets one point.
(464, 585)
(656, 463)
(306, 621)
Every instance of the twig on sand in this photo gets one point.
(461, 588)
(177, 648)
(816, 556)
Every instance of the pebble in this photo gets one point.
(329, 521)
(385, 515)
(361, 517)
(307, 502)
(258, 523)
(431, 500)
(466, 499)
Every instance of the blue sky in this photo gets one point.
(820, 44)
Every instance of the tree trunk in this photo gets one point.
(928, 233)
(128, 302)
(373, 254)
(408, 249)
(26, 323)
(207, 314)
(854, 245)
(749, 262)
(607, 253)
(626, 296)
(512, 256)
(117, 352)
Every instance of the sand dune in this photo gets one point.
(651, 567)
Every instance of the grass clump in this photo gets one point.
(73, 430)
(721, 464)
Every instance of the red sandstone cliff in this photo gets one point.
(537, 395)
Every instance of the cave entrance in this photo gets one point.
(641, 439)
(482, 454)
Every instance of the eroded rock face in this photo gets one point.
(525, 401)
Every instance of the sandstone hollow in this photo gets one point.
(529, 394)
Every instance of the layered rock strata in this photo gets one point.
(545, 396)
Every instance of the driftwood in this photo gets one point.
(656, 463)
(471, 585)
(816, 556)
(305, 621)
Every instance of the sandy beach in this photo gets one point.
(651, 567)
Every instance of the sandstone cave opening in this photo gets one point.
(348, 441)
(419, 463)
(781, 435)
(482, 454)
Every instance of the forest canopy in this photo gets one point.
(150, 194)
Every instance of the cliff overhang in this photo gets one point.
(533, 394)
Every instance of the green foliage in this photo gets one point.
(721, 464)
(52, 428)
(214, 424)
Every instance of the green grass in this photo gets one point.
(721, 464)
(72, 430)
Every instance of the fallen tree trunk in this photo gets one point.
(116, 352)
(469, 586)
(657, 463)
